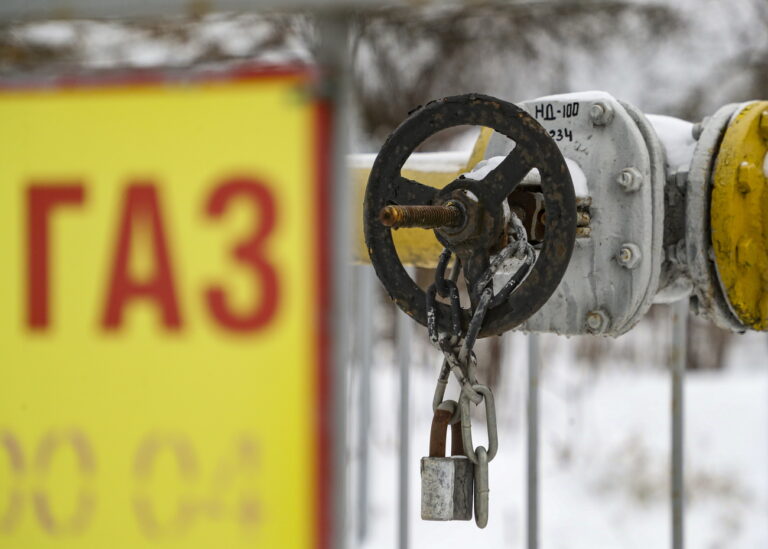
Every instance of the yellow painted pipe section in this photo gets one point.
(417, 247)
(739, 215)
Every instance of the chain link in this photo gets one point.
(490, 420)
(481, 488)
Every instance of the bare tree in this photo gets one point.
(404, 58)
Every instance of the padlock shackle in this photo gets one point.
(439, 432)
(457, 443)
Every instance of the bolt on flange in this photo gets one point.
(597, 321)
(600, 113)
(748, 176)
(630, 179)
(629, 255)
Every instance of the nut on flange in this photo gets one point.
(601, 113)
(739, 215)
(629, 255)
(630, 179)
(597, 321)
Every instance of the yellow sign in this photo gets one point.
(162, 358)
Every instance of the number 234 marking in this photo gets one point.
(560, 134)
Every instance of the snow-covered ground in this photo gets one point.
(605, 442)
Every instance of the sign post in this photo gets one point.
(164, 342)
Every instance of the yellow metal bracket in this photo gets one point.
(739, 215)
(417, 247)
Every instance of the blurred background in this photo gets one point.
(604, 403)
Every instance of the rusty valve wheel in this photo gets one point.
(467, 215)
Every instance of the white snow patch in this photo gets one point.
(578, 178)
(590, 95)
(112, 44)
(677, 138)
(230, 36)
(448, 161)
(484, 167)
(50, 33)
(765, 165)
(147, 54)
(439, 162)
(361, 161)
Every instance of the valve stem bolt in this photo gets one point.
(423, 217)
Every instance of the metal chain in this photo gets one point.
(446, 288)
(459, 357)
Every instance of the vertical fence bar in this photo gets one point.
(403, 357)
(365, 305)
(532, 430)
(333, 61)
(677, 368)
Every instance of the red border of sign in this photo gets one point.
(325, 471)
(140, 77)
(322, 117)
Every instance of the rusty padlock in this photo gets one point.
(446, 482)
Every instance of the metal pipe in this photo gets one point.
(403, 330)
(677, 368)
(334, 90)
(403, 335)
(532, 458)
(365, 305)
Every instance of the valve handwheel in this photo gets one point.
(468, 215)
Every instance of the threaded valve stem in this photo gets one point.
(423, 217)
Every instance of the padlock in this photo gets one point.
(446, 482)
